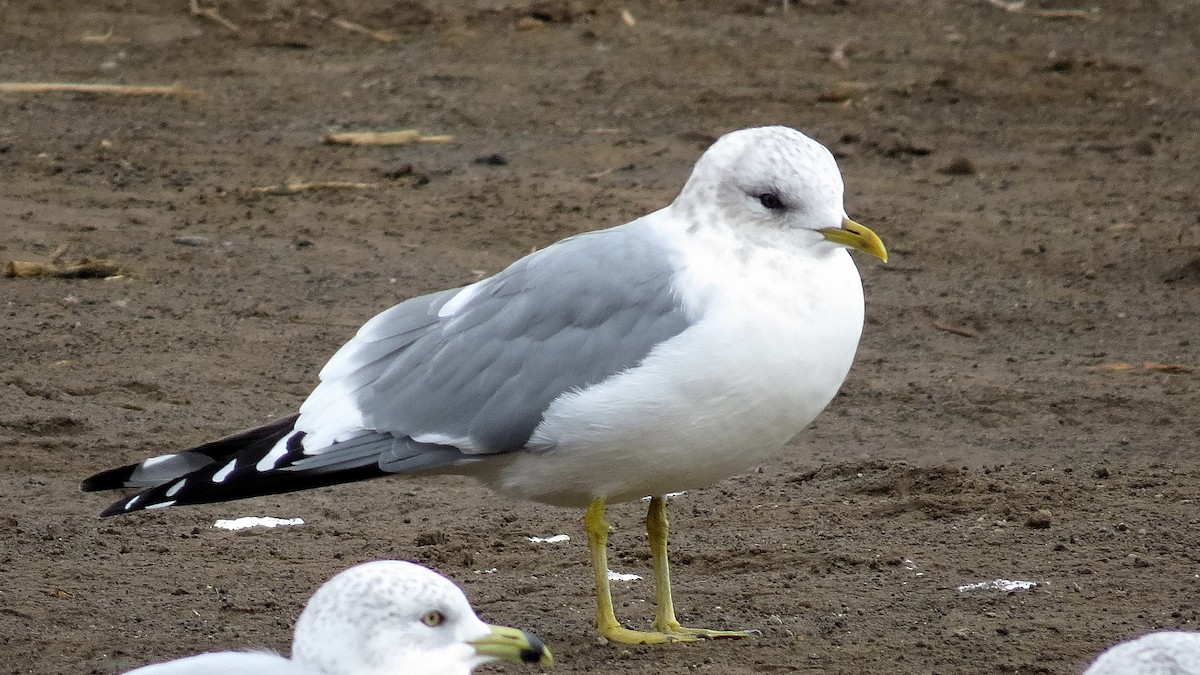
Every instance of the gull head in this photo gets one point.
(774, 180)
(391, 616)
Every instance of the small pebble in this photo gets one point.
(960, 166)
(397, 171)
(840, 92)
(494, 159)
(1039, 520)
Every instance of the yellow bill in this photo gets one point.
(512, 645)
(858, 237)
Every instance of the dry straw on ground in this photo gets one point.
(91, 88)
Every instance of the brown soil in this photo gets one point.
(1035, 178)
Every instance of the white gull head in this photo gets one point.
(392, 616)
(774, 178)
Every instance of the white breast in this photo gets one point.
(765, 356)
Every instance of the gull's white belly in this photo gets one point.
(704, 405)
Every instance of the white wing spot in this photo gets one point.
(146, 464)
(220, 476)
(174, 489)
(161, 505)
(271, 458)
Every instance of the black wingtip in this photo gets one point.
(111, 479)
(116, 509)
(181, 464)
(190, 476)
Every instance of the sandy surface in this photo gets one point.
(1034, 177)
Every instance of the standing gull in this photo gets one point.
(387, 616)
(661, 355)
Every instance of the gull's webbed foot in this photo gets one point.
(685, 634)
(667, 634)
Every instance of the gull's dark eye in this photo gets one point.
(771, 201)
(433, 618)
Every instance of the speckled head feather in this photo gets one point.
(372, 618)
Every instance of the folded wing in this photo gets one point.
(443, 380)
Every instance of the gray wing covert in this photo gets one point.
(561, 319)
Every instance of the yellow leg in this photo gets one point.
(669, 629)
(656, 532)
(664, 619)
(606, 620)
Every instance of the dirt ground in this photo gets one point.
(1034, 174)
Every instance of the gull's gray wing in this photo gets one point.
(443, 379)
(479, 377)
